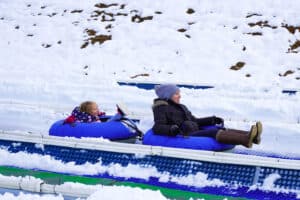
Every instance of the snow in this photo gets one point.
(118, 192)
(106, 193)
(41, 84)
(269, 181)
(269, 185)
(121, 192)
(97, 192)
(48, 163)
(200, 179)
(22, 196)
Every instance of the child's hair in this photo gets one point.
(86, 106)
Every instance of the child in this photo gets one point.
(87, 112)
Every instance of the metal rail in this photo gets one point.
(199, 155)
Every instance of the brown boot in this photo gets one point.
(231, 136)
(257, 138)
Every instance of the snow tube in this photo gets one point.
(191, 142)
(112, 130)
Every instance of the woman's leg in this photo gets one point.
(232, 136)
(257, 138)
(205, 133)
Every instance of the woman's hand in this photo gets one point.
(174, 130)
(218, 120)
(189, 127)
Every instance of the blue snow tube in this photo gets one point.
(112, 130)
(190, 142)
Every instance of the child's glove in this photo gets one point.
(101, 114)
(70, 120)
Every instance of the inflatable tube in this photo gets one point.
(199, 143)
(113, 130)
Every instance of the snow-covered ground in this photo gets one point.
(97, 192)
(49, 64)
(48, 163)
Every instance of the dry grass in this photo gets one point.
(76, 11)
(255, 33)
(253, 14)
(262, 24)
(238, 66)
(288, 72)
(139, 19)
(102, 5)
(294, 46)
(135, 76)
(190, 11)
(292, 29)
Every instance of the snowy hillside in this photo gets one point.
(55, 54)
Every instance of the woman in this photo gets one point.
(172, 118)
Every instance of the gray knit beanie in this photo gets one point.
(166, 91)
